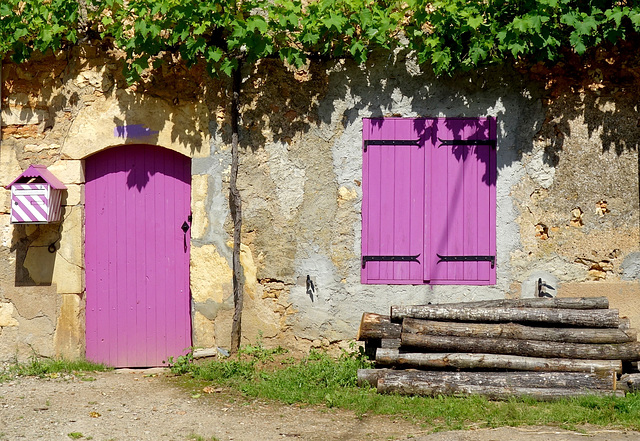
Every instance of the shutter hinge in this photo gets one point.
(369, 142)
(491, 259)
(490, 142)
(366, 259)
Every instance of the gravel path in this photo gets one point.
(147, 405)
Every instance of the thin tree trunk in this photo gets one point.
(466, 360)
(235, 205)
(530, 348)
(516, 331)
(592, 318)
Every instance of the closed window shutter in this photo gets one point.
(393, 242)
(462, 202)
(428, 210)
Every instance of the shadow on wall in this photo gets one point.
(35, 253)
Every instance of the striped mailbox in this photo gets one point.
(35, 196)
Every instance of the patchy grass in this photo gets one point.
(44, 367)
(319, 379)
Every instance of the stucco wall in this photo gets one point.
(567, 190)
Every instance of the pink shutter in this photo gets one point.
(462, 202)
(393, 201)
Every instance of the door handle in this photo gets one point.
(185, 227)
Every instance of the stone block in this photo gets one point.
(74, 195)
(199, 197)
(68, 171)
(69, 334)
(23, 115)
(204, 333)
(183, 128)
(35, 337)
(34, 301)
(6, 315)
(69, 264)
(211, 276)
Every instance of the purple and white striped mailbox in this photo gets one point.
(35, 196)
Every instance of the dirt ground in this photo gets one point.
(150, 405)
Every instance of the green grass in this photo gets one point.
(44, 367)
(320, 379)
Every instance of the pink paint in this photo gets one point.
(136, 255)
(428, 200)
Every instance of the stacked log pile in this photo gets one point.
(546, 348)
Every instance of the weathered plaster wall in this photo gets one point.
(300, 182)
(567, 190)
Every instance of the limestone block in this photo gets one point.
(34, 301)
(5, 200)
(204, 333)
(100, 79)
(35, 337)
(69, 334)
(199, 196)
(6, 315)
(6, 230)
(223, 328)
(211, 276)
(69, 263)
(37, 148)
(125, 117)
(8, 344)
(68, 171)
(74, 195)
(9, 165)
(23, 115)
(249, 269)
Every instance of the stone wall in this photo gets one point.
(567, 190)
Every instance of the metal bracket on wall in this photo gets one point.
(490, 142)
(491, 259)
(366, 259)
(369, 142)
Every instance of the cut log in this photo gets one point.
(390, 343)
(518, 332)
(445, 379)
(529, 348)
(400, 359)
(537, 302)
(630, 382)
(593, 318)
(390, 385)
(370, 377)
(377, 326)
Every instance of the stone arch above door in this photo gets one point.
(130, 118)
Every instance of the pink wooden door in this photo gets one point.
(137, 198)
